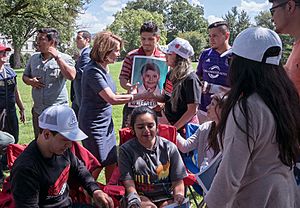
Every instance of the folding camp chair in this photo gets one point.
(191, 160)
(205, 178)
(77, 192)
(165, 131)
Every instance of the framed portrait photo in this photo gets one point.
(149, 73)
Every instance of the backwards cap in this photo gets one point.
(258, 44)
(179, 46)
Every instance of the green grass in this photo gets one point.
(26, 134)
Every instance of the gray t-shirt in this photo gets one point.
(55, 91)
(153, 171)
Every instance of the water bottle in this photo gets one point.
(204, 165)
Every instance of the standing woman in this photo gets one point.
(259, 128)
(182, 88)
(98, 96)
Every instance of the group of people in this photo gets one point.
(248, 110)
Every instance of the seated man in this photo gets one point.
(39, 175)
(5, 139)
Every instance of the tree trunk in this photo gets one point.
(17, 57)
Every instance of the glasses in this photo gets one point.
(272, 10)
(4, 53)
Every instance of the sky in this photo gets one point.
(99, 13)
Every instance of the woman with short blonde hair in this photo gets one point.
(104, 43)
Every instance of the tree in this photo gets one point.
(264, 19)
(184, 17)
(237, 22)
(128, 22)
(197, 39)
(21, 18)
(178, 15)
(158, 6)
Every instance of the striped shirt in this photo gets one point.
(128, 61)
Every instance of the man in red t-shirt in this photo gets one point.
(150, 35)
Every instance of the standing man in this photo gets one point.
(47, 72)
(150, 35)
(286, 17)
(83, 41)
(39, 175)
(212, 68)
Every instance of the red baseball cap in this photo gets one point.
(4, 48)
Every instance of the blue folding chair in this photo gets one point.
(191, 161)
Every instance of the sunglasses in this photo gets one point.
(4, 53)
(272, 10)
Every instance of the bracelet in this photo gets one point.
(133, 199)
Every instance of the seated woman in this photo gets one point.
(205, 138)
(151, 167)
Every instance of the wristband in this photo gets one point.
(133, 199)
(57, 57)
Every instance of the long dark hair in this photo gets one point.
(274, 87)
(212, 140)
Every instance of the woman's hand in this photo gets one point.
(146, 95)
(179, 198)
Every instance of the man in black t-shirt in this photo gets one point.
(40, 174)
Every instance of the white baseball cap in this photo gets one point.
(61, 118)
(252, 43)
(179, 46)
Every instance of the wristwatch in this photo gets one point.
(57, 57)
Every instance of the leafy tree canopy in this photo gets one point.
(237, 22)
(21, 18)
(178, 15)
